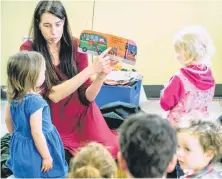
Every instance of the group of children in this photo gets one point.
(150, 148)
(148, 143)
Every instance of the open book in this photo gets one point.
(95, 43)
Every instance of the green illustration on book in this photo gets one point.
(95, 43)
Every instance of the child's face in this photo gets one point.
(180, 56)
(183, 57)
(41, 78)
(190, 153)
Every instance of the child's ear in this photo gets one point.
(209, 155)
(172, 164)
(121, 162)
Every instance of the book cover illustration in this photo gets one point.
(95, 43)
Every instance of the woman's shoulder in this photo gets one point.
(27, 45)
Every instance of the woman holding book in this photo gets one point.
(67, 87)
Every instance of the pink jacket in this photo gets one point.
(188, 92)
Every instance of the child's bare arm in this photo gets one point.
(39, 138)
(8, 119)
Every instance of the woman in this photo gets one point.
(67, 87)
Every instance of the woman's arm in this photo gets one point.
(8, 119)
(66, 88)
(93, 90)
(63, 90)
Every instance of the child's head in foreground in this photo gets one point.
(93, 161)
(199, 143)
(147, 146)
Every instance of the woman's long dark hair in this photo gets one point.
(67, 65)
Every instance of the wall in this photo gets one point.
(16, 17)
(151, 24)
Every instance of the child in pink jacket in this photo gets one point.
(190, 90)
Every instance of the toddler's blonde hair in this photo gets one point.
(93, 161)
(197, 42)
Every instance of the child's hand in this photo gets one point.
(47, 164)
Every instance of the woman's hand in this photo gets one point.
(100, 63)
(109, 68)
(102, 69)
(103, 63)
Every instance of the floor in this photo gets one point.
(152, 106)
(147, 105)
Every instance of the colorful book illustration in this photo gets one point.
(95, 43)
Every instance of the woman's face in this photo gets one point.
(51, 27)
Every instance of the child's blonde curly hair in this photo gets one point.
(209, 133)
(197, 42)
(93, 161)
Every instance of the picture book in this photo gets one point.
(95, 43)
